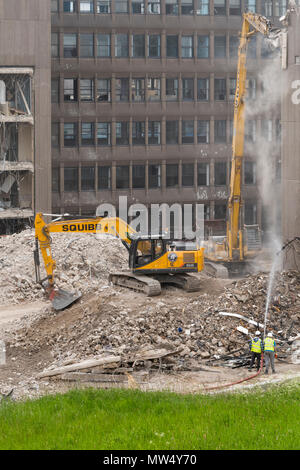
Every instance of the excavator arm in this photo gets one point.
(252, 23)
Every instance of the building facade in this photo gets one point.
(25, 112)
(142, 103)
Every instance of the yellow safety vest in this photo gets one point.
(269, 344)
(256, 346)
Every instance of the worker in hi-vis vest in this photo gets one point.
(256, 347)
(269, 352)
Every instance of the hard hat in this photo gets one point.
(270, 334)
(257, 333)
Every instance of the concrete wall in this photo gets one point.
(291, 143)
(25, 29)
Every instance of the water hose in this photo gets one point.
(241, 380)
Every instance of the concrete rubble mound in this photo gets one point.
(83, 260)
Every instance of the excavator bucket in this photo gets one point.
(61, 298)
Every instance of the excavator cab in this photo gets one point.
(144, 250)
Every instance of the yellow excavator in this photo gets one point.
(230, 253)
(153, 260)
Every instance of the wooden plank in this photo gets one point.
(89, 363)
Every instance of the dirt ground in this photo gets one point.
(22, 365)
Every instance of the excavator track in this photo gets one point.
(140, 283)
(184, 281)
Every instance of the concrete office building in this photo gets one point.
(290, 118)
(142, 103)
(25, 111)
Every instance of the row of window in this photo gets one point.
(150, 132)
(172, 7)
(135, 176)
(136, 45)
(138, 90)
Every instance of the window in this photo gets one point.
(266, 49)
(220, 173)
(70, 179)
(202, 7)
(203, 174)
(251, 88)
(172, 132)
(202, 89)
(171, 174)
(86, 45)
(203, 47)
(103, 133)
(54, 6)
(70, 6)
(54, 45)
(154, 132)
(87, 178)
(220, 211)
(172, 7)
(250, 213)
(138, 133)
(104, 177)
(122, 133)
(70, 89)
(250, 5)
(187, 89)
(266, 130)
(138, 176)
(250, 130)
(234, 7)
(122, 89)
(87, 90)
(171, 89)
(203, 132)
(154, 176)
(154, 46)
(188, 132)
(232, 88)
(104, 89)
(55, 180)
(138, 45)
(267, 7)
(220, 89)
(103, 6)
(87, 133)
(280, 7)
(220, 7)
(220, 47)
(70, 134)
(122, 177)
(138, 89)
(187, 174)
(55, 90)
(252, 48)
(138, 7)
(154, 7)
(220, 131)
(55, 134)
(250, 173)
(70, 45)
(121, 6)
(86, 6)
(233, 46)
(172, 46)
(103, 45)
(121, 45)
(187, 47)
(187, 7)
(153, 89)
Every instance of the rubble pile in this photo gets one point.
(193, 326)
(82, 260)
